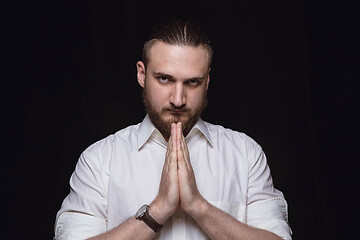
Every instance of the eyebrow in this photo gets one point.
(158, 74)
(162, 74)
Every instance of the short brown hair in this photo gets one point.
(177, 32)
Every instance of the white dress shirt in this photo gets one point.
(115, 176)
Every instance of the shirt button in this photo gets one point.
(178, 219)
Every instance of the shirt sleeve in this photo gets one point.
(83, 213)
(266, 206)
(75, 225)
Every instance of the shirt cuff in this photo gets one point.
(271, 215)
(75, 225)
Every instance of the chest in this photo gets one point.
(135, 177)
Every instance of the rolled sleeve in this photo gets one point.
(73, 226)
(83, 212)
(266, 206)
(270, 215)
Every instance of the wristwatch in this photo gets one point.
(143, 215)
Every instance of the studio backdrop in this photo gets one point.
(284, 73)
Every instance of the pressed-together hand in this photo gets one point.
(189, 194)
(168, 196)
(178, 185)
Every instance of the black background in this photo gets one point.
(284, 72)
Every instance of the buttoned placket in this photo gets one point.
(178, 225)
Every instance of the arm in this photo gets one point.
(214, 222)
(130, 229)
(220, 225)
(160, 209)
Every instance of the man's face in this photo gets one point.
(175, 84)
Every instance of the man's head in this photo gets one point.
(177, 32)
(175, 75)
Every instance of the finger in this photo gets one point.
(168, 150)
(181, 146)
(179, 136)
(179, 132)
(180, 156)
(172, 164)
(171, 148)
(184, 146)
(186, 154)
(173, 130)
(173, 157)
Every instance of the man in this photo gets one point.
(173, 176)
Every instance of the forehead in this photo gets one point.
(178, 58)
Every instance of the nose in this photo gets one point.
(178, 96)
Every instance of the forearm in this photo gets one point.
(134, 228)
(130, 229)
(220, 225)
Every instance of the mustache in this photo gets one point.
(174, 108)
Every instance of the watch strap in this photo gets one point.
(151, 222)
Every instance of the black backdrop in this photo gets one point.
(284, 72)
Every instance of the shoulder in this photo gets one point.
(223, 137)
(125, 138)
(95, 161)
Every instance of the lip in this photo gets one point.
(177, 111)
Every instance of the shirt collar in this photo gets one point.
(201, 126)
(147, 128)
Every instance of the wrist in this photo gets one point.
(159, 212)
(143, 215)
(199, 208)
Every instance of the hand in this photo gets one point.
(178, 184)
(190, 198)
(168, 198)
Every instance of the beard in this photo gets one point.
(165, 126)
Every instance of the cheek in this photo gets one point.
(157, 96)
(195, 99)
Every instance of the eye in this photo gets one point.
(193, 82)
(163, 79)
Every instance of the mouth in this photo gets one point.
(176, 112)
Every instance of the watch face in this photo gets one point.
(141, 211)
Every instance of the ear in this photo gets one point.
(141, 73)
(208, 80)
